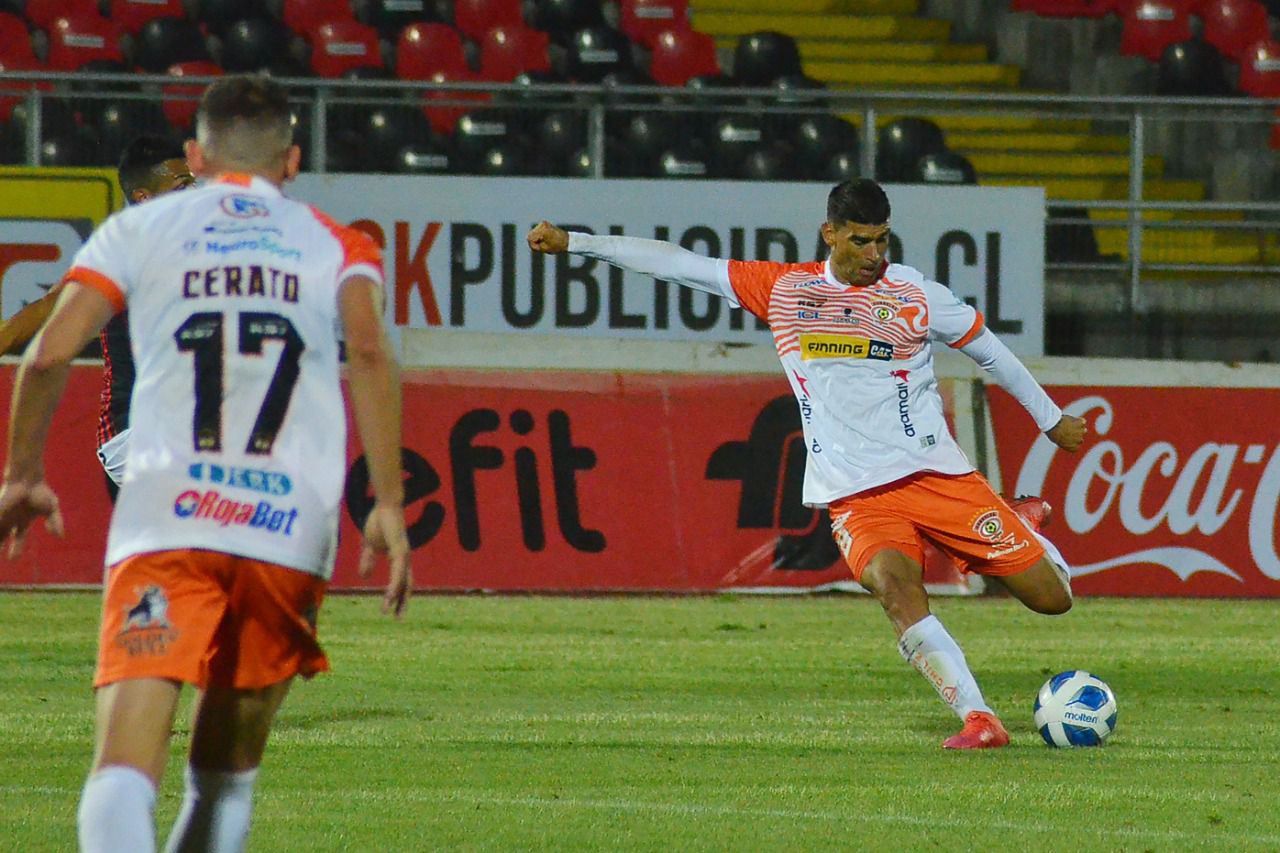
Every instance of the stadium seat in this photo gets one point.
(247, 44)
(762, 57)
(734, 137)
(304, 17)
(1069, 8)
(10, 101)
(644, 20)
(424, 157)
(219, 15)
(385, 131)
(681, 54)
(390, 17)
(687, 159)
(180, 102)
(644, 135)
(474, 18)
(115, 122)
(562, 18)
(80, 38)
(443, 107)
(72, 149)
(1232, 26)
(501, 159)
(481, 130)
(163, 42)
(596, 52)
(1192, 68)
(339, 46)
(900, 145)
(944, 167)
(132, 14)
(1260, 70)
(15, 41)
(426, 49)
(511, 50)
(843, 166)
(560, 134)
(42, 13)
(768, 162)
(1152, 25)
(816, 139)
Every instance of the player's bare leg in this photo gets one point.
(897, 581)
(134, 719)
(1046, 586)
(229, 737)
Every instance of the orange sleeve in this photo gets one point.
(753, 282)
(357, 246)
(95, 280)
(979, 323)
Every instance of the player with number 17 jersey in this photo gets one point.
(236, 286)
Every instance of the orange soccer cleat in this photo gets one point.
(981, 731)
(1033, 510)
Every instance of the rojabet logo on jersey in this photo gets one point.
(212, 506)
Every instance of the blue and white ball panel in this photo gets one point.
(1075, 708)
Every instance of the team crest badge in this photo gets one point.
(147, 629)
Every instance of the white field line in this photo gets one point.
(1216, 835)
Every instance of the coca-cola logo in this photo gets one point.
(1161, 494)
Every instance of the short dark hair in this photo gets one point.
(860, 200)
(244, 120)
(140, 158)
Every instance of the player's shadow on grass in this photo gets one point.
(319, 719)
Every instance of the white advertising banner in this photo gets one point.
(456, 256)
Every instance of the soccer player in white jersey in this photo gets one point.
(220, 543)
(854, 334)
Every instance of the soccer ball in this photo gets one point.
(1075, 708)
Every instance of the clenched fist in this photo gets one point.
(547, 238)
(1069, 432)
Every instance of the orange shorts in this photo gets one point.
(208, 619)
(961, 515)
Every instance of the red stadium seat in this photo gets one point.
(83, 37)
(8, 102)
(180, 102)
(1260, 70)
(425, 49)
(1152, 25)
(681, 54)
(1070, 8)
(476, 17)
(443, 118)
(341, 46)
(644, 20)
(304, 17)
(15, 41)
(1233, 25)
(42, 13)
(511, 50)
(132, 14)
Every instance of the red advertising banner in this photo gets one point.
(544, 481)
(1174, 492)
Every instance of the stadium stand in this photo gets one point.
(15, 41)
(595, 52)
(180, 102)
(508, 51)
(679, 54)
(304, 17)
(1152, 25)
(163, 42)
(645, 20)
(42, 13)
(1232, 26)
(341, 45)
(249, 44)
(474, 18)
(427, 49)
(133, 14)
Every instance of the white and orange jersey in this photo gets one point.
(238, 439)
(860, 365)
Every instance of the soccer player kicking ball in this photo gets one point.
(854, 334)
(220, 543)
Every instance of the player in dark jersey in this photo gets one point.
(150, 166)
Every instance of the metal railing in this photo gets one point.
(324, 100)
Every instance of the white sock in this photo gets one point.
(117, 812)
(928, 647)
(1055, 556)
(215, 812)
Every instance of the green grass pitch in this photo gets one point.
(702, 723)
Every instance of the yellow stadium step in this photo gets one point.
(848, 27)
(1110, 215)
(811, 7)
(966, 142)
(1095, 189)
(1073, 165)
(1186, 246)
(916, 74)
(975, 123)
(815, 50)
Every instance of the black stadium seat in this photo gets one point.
(595, 52)
(218, 15)
(250, 43)
(901, 144)
(945, 167)
(167, 41)
(761, 58)
(390, 17)
(843, 166)
(1190, 69)
(817, 139)
(771, 161)
(562, 19)
(734, 137)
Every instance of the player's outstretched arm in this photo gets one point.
(22, 327)
(80, 313)
(655, 258)
(374, 385)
